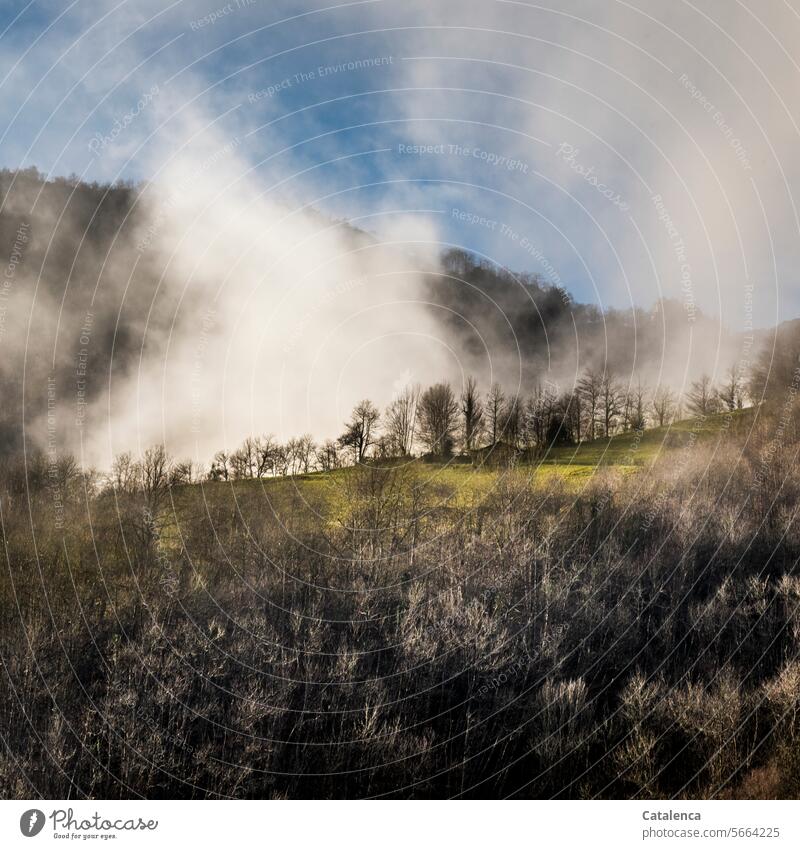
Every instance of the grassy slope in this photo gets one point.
(626, 449)
(463, 485)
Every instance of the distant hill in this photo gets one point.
(78, 284)
(538, 331)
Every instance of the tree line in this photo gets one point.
(433, 423)
(437, 422)
(636, 638)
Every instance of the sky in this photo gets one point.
(626, 151)
(546, 130)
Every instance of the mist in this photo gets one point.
(296, 175)
(219, 314)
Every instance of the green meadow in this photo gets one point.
(458, 485)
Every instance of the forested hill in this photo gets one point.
(69, 289)
(77, 279)
(519, 318)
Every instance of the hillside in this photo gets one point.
(463, 485)
(390, 625)
(84, 287)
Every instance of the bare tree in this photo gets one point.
(627, 407)
(220, 467)
(637, 416)
(701, 399)
(567, 410)
(384, 447)
(472, 414)
(305, 451)
(609, 403)
(730, 393)
(538, 412)
(529, 423)
(182, 473)
(400, 421)
(155, 470)
(327, 456)
(125, 474)
(266, 454)
(495, 402)
(293, 455)
(511, 421)
(589, 387)
(664, 405)
(244, 461)
(437, 419)
(360, 430)
(281, 459)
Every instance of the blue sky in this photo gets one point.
(624, 152)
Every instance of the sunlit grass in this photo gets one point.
(460, 485)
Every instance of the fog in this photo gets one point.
(212, 314)
(281, 319)
(279, 262)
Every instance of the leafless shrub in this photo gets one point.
(636, 637)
